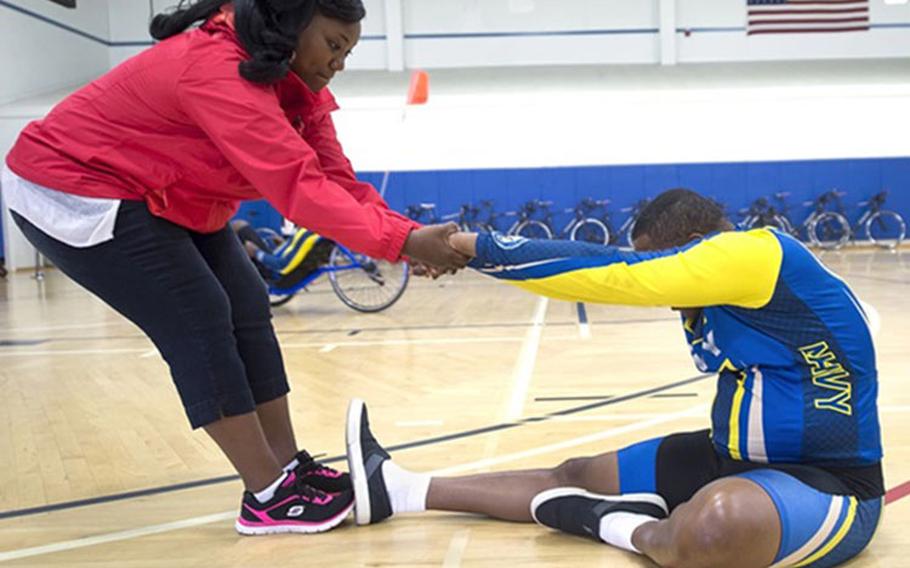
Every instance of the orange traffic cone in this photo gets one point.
(419, 89)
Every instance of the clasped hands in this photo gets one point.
(439, 249)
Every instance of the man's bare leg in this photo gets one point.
(729, 522)
(507, 496)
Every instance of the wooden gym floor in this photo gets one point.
(88, 413)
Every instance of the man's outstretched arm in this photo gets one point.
(729, 268)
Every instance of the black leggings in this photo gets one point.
(197, 297)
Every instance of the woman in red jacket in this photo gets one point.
(128, 186)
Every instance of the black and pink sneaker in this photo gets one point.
(295, 508)
(320, 476)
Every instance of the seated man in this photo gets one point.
(286, 263)
(789, 473)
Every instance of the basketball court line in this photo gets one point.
(457, 545)
(897, 493)
(456, 549)
(335, 459)
(893, 495)
(584, 329)
(527, 360)
(281, 332)
(145, 352)
(880, 279)
(226, 515)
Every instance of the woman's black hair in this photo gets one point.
(268, 29)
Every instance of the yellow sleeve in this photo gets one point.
(730, 268)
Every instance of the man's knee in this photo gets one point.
(596, 474)
(729, 522)
(572, 472)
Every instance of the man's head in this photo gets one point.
(676, 217)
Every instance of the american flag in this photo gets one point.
(807, 16)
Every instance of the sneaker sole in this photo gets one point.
(549, 494)
(362, 511)
(301, 529)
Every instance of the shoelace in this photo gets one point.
(307, 464)
(309, 492)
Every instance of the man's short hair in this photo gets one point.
(675, 215)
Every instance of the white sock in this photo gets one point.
(269, 492)
(292, 465)
(407, 490)
(617, 529)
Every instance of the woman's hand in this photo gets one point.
(429, 245)
(465, 243)
(428, 271)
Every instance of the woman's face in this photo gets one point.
(322, 49)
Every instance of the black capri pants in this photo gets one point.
(197, 296)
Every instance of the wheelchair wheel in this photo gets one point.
(271, 238)
(278, 299)
(366, 284)
(886, 229)
(829, 230)
(591, 230)
(533, 229)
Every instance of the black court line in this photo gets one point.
(334, 459)
(563, 398)
(21, 342)
(674, 395)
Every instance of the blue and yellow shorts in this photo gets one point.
(827, 516)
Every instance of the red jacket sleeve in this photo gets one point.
(322, 137)
(247, 125)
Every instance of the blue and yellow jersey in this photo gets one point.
(790, 342)
(288, 256)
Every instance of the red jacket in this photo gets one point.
(178, 127)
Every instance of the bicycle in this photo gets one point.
(584, 226)
(470, 217)
(362, 283)
(424, 213)
(884, 228)
(761, 213)
(825, 228)
(527, 226)
(628, 226)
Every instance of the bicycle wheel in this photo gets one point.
(476, 227)
(629, 233)
(785, 225)
(533, 229)
(366, 284)
(886, 229)
(590, 230)
(829, 230)
(779, 223)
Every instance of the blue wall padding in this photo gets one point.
(735, 184)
